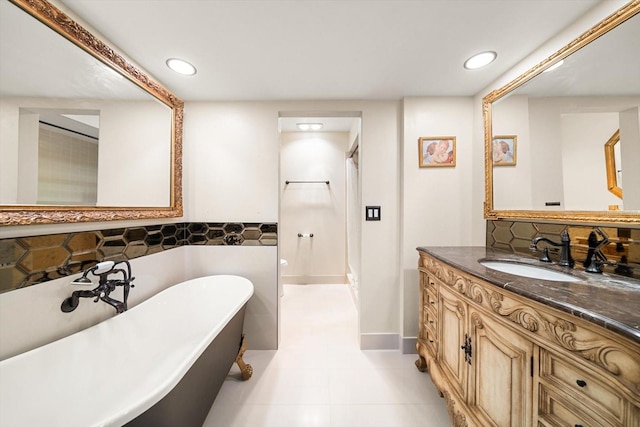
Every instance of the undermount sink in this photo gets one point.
(531, 271)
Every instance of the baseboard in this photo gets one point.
(314, 280)
(379, 341)
(409, 345)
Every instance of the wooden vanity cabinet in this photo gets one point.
(500, 359)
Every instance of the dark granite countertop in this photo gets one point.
(608, 300)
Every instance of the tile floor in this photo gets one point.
(319, 377)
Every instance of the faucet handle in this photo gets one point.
(593, 266)
(545, 255)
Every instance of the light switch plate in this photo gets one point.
(372, 213)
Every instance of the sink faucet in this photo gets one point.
(565, 253)
(595, 257)
(105, 286)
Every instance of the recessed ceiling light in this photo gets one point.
(554, 66)
(480, 60)
(181, 66)
(309, 126)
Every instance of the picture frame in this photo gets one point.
(505, 148)
(437, 151)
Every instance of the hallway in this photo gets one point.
(320, 378)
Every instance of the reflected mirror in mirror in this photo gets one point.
(613, 161)
(561, 119)
(124, 157)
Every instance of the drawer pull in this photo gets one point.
(432, 302)
(431, 341)
(431, 321)
(577, 425)
(581, 383)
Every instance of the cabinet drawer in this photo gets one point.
(428, 337)
(555, 410)
(430, 320)
(430, 341)
(430, 302)
(588, 388)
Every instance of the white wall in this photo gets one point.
(436, 202)
(231, 173)
(583, 139)
(629, 150)
(134, 152)
(546, 130)
(511, 184)
(9, 126)
(315, 208)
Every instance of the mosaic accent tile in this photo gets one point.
(30, 260)
(516, 237)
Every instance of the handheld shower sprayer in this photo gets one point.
(96, 270)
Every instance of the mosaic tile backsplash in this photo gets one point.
(623, 249)
(26, 261)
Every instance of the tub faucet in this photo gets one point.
(565, 253)
(105, 286)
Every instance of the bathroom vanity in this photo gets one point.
(508, 350)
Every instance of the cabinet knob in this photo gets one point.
(431, 321)
(577, 425)
(581, 383)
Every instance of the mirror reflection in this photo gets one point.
(66, 148)
(561, 119)
(613, 160)
(73, 131)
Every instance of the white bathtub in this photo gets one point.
(111, 373)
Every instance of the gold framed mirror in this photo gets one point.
(611, 164)
(137, 165)
(560, 175)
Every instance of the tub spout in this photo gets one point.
(71, 303)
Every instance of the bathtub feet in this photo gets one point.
(245, 368)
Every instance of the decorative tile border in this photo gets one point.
(516, 237)
(26, 261)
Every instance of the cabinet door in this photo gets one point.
(452, 329)
(500, 384)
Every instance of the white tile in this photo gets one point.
(319, 376)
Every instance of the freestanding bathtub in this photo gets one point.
(161, 363)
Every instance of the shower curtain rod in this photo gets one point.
(307, 182)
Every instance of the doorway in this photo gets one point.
(319, 224)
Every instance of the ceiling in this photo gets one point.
(316, 50)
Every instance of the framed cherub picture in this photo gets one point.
(437, 151)
(504, 150)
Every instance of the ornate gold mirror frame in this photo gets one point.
(610, 161)
(490, 213)
(57, 20)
